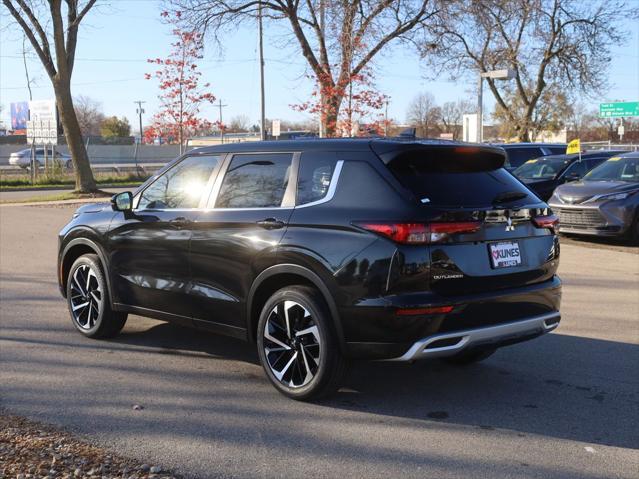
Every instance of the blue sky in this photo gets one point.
(116, 40)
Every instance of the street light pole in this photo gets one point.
(495, 75)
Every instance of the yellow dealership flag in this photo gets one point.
(573, 147)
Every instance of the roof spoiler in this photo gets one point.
(408, 133)
(467, 156)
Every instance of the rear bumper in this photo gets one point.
(374, 330)
(443, 345)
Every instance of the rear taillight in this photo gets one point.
(420, 233)
(547, 221)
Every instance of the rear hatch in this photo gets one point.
(487, 231)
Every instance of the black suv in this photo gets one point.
(321, 251)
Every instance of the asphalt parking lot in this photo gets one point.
(564, 405)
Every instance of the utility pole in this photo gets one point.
(139, 110)
(261, 54)
(480, 112)
(386, 119)
(220, 106)
(26, 70)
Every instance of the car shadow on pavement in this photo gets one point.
(568, 387)
(562, 386)
(180, 340)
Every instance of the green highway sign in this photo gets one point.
(619, 109)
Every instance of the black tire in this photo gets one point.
(321, 365)
(88, 300)
(470, 357)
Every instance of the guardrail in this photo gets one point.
(609, 145)
(143, 169)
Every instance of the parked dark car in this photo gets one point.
(320, 251)
(543, 175)
(605, 202)
(519, 153)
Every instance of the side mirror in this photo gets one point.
(122, 201)
(573, 176)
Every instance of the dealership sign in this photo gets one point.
(619, 109)
(42, 132)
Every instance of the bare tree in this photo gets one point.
(239, 123)
(452, 113)
(54, 41)
(338, 39)
(550, 114)
(424, 114)
(89, 113)
(563, 44)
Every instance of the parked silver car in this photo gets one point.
(22, 158)
(604, 203)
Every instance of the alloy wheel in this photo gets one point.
(86, 297)
(292, 344)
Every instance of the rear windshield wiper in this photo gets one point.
(509, 197)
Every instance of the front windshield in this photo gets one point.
(616, 169)
(541, 168)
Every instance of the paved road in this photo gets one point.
(565, 405)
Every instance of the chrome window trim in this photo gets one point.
(331, 188)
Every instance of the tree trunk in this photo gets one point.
(84, 181)
(523, 133)
(331, 115)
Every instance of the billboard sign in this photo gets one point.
(19, 115)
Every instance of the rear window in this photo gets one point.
(456, 182)
(518, 156)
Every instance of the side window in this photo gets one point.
(314, 178)
(255, 181)
(519, 156)
(577, 169)
(181, 186)
(592, 162)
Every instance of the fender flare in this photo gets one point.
(310, 276)
(98, 250)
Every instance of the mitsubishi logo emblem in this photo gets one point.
(509, 223)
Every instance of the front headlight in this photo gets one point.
(611, 197)
(615, 197)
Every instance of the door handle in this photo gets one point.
(179, 222)
(271, 224)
